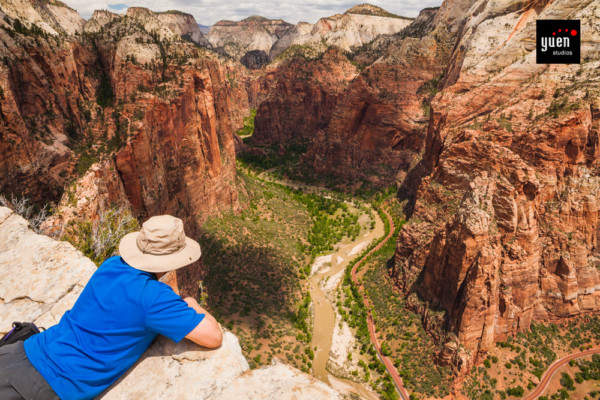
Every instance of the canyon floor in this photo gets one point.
(279, 222)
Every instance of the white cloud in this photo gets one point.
(208, 12)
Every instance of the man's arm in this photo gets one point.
(208, 332)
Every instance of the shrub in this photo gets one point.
(99, 239)
(517, 391)
(567, 381)
(33, 214)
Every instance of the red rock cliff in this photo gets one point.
(378, 128)
(301, 97)
(159, 115)
(504, 225)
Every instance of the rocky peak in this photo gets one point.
(260, 19)
(41, 279)
(98, 20)
(252, 33)
(184, 25)
(53, 17)
(369, 9)
(60, 101)
(151, 22)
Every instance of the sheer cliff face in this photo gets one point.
(158, 116)
(51, 16)
(183, 146)
(301, 96)
(253, 33)
(348, 31)
(504, 226)
(377, 129)
(46, 84)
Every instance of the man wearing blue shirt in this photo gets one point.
(117, 316)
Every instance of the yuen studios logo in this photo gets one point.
(558, 41)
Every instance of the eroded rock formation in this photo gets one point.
(356, 27)
(377, 130)
(301, 97)
(350, 30)
(252, 33)
(503, 229)
(157, 112)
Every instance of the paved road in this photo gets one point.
(552, 370)
(386, 361)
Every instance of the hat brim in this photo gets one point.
(152, 263)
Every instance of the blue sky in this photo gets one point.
(207, 12)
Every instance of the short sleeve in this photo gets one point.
(167, 313)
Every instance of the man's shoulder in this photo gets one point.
(117, 263)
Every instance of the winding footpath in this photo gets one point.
(552, 370)
(386, 361)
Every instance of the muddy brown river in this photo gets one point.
(324, 312)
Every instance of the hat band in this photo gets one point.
(162, 252)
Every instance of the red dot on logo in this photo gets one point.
(560, 30)
(573, 32)
(554, 33)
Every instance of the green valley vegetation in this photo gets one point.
(257, 262)
(521, 360)
(248, 129)
(99, 239)
(284, 162)
(401, 333)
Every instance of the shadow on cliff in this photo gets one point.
(245, 277)
(410, 186)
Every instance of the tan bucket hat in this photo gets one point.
(160, 246)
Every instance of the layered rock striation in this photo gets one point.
(51, 16)
(252, 33)
(301, 97)
(377, 131)
(364, 113)
(503, 227)
(356, 27)
(350, 30)
(155, 111)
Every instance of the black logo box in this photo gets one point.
(561, 40)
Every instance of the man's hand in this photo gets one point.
(208, 332)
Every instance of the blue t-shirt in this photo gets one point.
(117, 316)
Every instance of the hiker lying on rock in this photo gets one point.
(121, 310)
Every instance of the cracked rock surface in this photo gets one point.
(41, 278)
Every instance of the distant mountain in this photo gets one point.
(236, 38)
(369, 9)
(354, 28)
(204, 29)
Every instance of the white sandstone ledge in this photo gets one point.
(41, 278)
